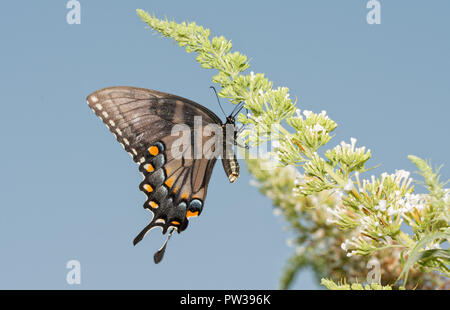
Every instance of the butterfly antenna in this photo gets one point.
(217, 96)
(160, 253)
(239, 110)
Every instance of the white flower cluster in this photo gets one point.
(335, 213)
(399, 202)
(447, 195)
(349, 149)
(308, 114)
(317, 127)
(347, 244)
(350, 245)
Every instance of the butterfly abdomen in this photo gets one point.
(231, 167)
(229, 160)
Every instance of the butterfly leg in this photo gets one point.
(237, 134)
(242, 146)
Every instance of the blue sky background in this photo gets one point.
(69, 191)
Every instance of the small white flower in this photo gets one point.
(345, 244)
(338, 194)
(307, 113)
(318, 127)
(447, 195)
(381, 205)
(353, 142)
(391, 211)
(277, 212)
(349, 185)
(433, 246)
(351, 253)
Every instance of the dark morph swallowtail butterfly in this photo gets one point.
(143, 121)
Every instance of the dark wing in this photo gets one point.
(139, 117)
(142, 121)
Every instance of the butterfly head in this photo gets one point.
(231, 120)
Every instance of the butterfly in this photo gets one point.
(144, 121)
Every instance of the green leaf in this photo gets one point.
(417, 253)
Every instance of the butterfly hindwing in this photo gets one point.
(169, 187)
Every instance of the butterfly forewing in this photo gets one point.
(140, 117)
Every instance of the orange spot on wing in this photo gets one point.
(175, 190)
(169, 182)
(153, 204)
(185, 196)
(148, 188)
(191, 214)
(150, 168)
(175, 223)
(153, 150)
